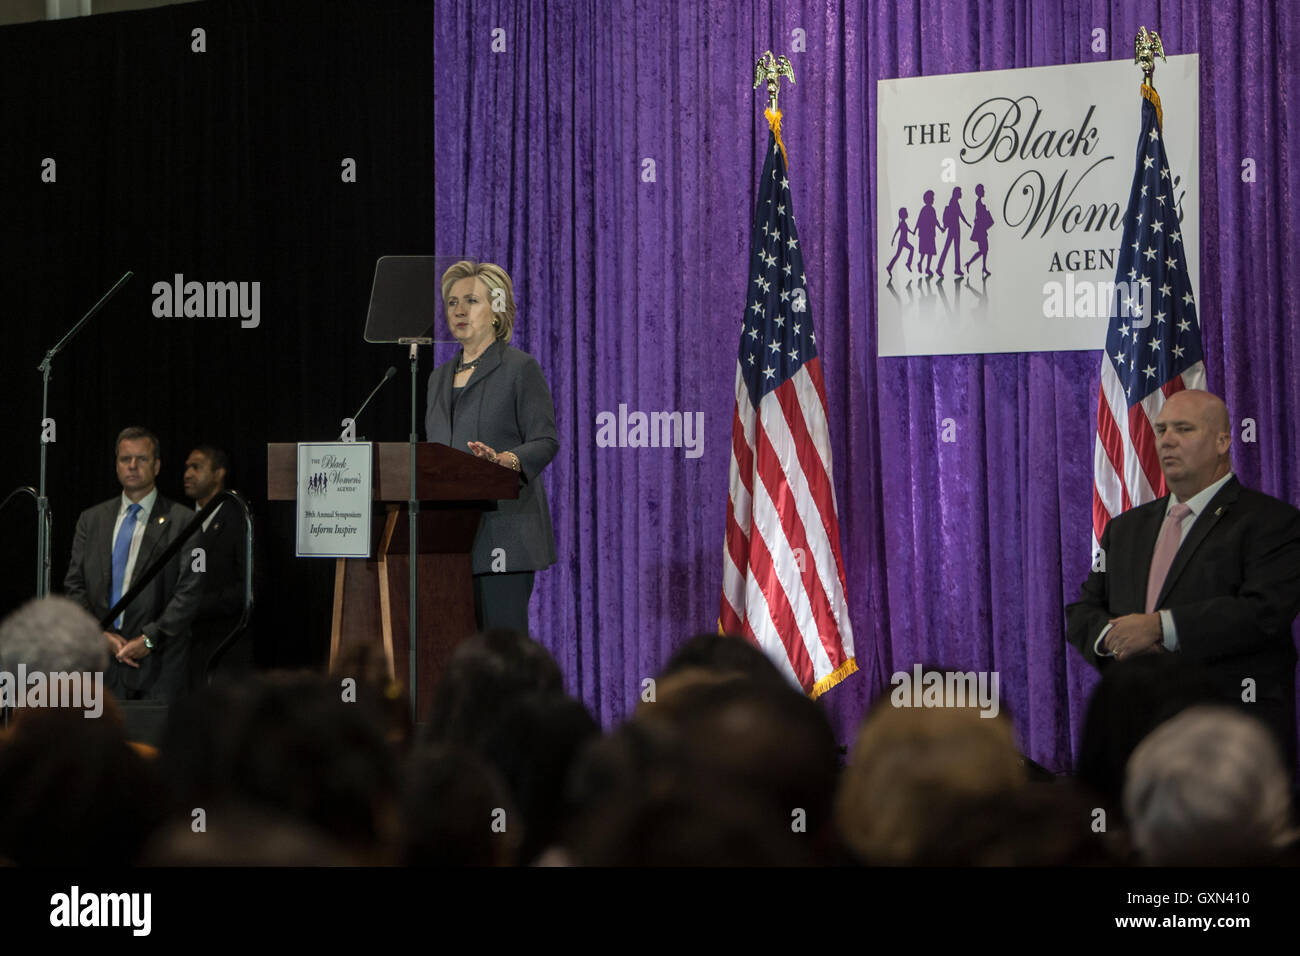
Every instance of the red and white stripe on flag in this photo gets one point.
(1126, 468)
(783, 575)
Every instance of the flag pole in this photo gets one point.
(783, 581)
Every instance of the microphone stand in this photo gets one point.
(413, 510)
(382, 382)
(44, 519)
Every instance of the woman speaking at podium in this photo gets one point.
(492, 399)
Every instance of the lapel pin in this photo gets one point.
(162, 518)
(1218, 511)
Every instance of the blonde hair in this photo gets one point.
(500, 290)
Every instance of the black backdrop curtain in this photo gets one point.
(223, 165)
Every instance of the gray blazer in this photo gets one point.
(507, 405)
(165, 608)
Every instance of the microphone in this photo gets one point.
(392, 370)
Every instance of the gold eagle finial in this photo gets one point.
(1146, 48)
(770, 69)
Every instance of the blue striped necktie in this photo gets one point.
(121, 551)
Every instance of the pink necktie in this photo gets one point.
(1171, 536)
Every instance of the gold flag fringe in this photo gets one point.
(1149, 93)
(774, 122)
(834, 677)
(846, 669)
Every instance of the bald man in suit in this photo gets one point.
(1210, 571)
(117, 540)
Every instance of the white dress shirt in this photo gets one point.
(208, 520)
(1197, 503)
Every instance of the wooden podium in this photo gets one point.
(370, 594)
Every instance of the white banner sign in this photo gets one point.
(334, 499)
(1001, 199)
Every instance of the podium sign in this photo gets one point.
(372, 591)
(334, 499)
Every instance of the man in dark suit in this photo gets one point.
(224, 543)
(114, 542)
(1211, 571)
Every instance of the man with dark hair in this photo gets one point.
(286, 744)
(724, 654)
(114, 542)
(73, 792)
(448, 795)
(218, 460)
(224, 542)
(533, 744)
(1210, 572)
(486, 671)
(692, 821)
(769, 742)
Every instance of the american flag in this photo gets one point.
(783, 576)
(1151, 352)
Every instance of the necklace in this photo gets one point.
(463, 366)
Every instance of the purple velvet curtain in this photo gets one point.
(606, 155)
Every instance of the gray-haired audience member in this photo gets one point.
(52, 635)
(1208, 787)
